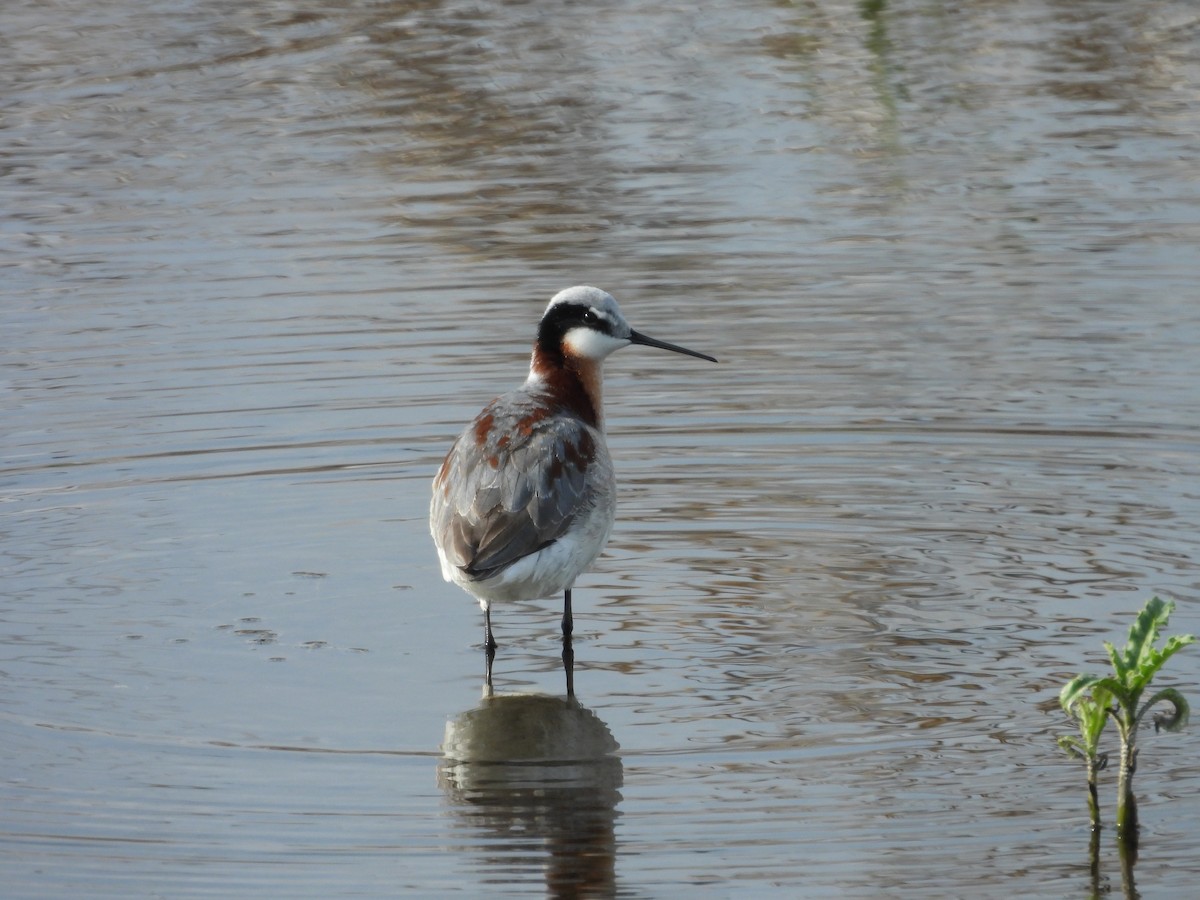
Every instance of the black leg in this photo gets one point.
(568, 654)
(489, 642)
(489, 649)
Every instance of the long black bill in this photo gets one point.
(636, 337)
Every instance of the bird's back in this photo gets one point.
(527, 476)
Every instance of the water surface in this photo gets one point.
(263, 261)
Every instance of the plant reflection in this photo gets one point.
(536, 780)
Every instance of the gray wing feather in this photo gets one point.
(512, 484)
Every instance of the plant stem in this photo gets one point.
(1093, 798)
(1127, 820)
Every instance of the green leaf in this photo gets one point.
(1175, 643)
(1174, 721)
(1139, 649)
(1147, 658)
(1117, 660)
(1103, 689)
(1071, 746)
(1076, 688)
(1086, 698)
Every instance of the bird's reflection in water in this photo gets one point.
(536, 780)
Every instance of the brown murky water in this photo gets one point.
(261, 261)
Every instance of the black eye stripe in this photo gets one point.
(572, 316)
(562, 318)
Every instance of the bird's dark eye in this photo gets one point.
(590, 317)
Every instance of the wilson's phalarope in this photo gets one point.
(524, 501)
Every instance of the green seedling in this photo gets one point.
(1091, 715)
(1120, 696)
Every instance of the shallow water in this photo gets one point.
(261, 263)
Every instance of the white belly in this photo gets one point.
(551, 570)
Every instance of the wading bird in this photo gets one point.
(524, 500)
